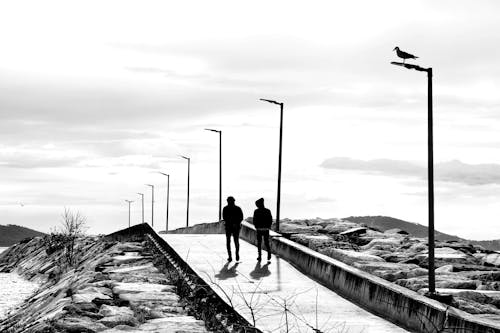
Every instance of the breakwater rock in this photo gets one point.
(112, 287)
(468, 272)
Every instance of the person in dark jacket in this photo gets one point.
(262, 220)
(232, 216)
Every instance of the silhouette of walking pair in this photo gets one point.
(262, 220)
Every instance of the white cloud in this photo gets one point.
(451, 171)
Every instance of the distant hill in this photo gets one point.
(384, 223)
(11, 234)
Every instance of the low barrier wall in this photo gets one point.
(395, 303)
(202, 228)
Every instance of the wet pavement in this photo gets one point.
(273, 295)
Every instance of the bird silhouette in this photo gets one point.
(404, 55)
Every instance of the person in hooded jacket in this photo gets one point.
(232, 216)
(262, 220)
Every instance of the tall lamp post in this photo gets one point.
(189, 171)
(220, 169)
(142, 201)
(152, 203)
(129, 202)
(168, 198)
(430, 170)
(279, 162)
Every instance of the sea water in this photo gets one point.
(13, 290)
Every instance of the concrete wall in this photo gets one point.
(399, 305)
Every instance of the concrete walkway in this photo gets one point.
(262, 291)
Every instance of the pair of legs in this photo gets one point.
(235, 232)
(263, 234)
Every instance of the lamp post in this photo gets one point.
(129, 202)
(168, 198)
(152, 203)
(220, 169)
(279, 162)
(189, 171)
(430, 170)
(142, 201)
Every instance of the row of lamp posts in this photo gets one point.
(220, 179)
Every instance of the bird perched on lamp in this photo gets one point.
(404, 55)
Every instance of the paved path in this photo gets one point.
(261, 291)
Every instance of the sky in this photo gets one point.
(98, 97)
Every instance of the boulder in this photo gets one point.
(121, 287)
(349, 256)
(492, 259)
(108, 310)
(289, 228)
(167, 298)
(444, 269)
(354, 231)
(391, 271)
(462, 246)
(128, 247)
(340, 226)
(446, 255)
(396, 231)
(395, 256)
(475, 307)
(112, 321)
(383, 244)
(418, 247)
(88, 294)
(79, 324)
(449, 281)
(312, 241)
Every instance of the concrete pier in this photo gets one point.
(261, 291)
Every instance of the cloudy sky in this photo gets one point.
(96, 97)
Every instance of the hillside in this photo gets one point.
(384, 223)
(11, 234)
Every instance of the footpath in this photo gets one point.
(274, 296)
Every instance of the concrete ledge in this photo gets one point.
(203, 228)
(395, 303)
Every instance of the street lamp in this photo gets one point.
(168, 198)
(129, 202)
(142, 200)
(430, 170)
(152, 203)
(279, 162)
(220, 169)
(189, 171)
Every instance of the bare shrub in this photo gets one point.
(73, 225)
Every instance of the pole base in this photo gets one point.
(443, 298)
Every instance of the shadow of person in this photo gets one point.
(260, 271)
(226, 272)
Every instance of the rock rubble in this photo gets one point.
(114, 288)
(468, 272)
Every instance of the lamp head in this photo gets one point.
(270, 101)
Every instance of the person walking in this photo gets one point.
(262, 220)
(232, 216)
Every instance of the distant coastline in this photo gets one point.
(11, 234)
